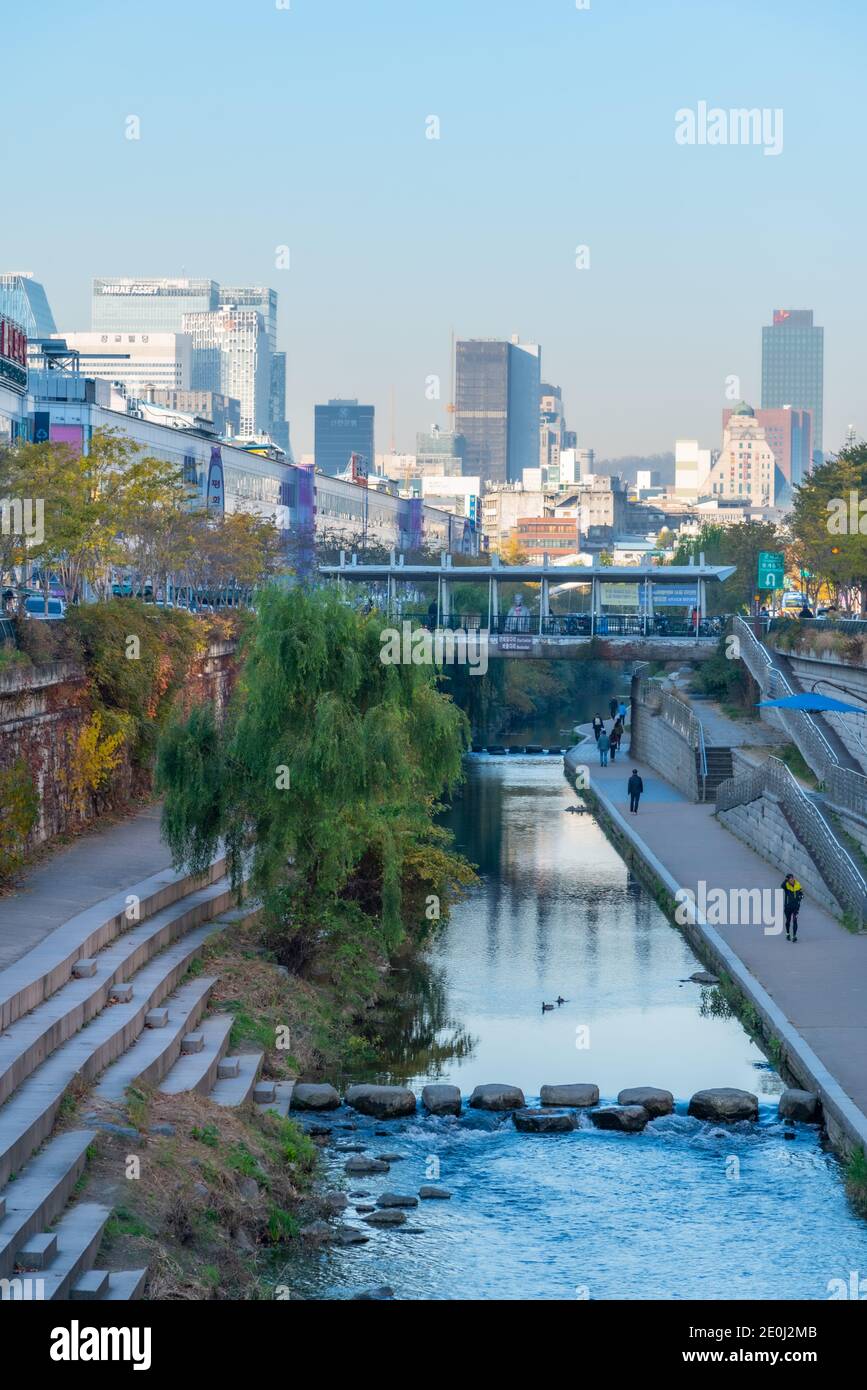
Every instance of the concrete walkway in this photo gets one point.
(819, 983)
(74, 877)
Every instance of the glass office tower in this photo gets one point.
(497, 407)
(125, 304)
(24, 300)
(793, 367)
(343, 427)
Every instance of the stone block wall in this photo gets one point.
(762, 825)
(43, 710)
(653, 741)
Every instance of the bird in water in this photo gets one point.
(546, 1007)
(560, 999)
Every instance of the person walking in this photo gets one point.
(614, 738)
(792, 895)
(612, 707)
(635, 786)
(622, 712)
(598, 726)
(603, 743)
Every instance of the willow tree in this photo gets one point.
(324, 781)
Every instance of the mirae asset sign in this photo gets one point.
(129, 289)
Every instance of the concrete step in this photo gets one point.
(36, 976)
(126, 1285)
(156, 1049)
(28, 1117)
(232, 1091)
(26, 1043)
(197, 1071)
(40, 1192)
(282, 1098)
(79, 1236)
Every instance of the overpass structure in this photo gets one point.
(636, 609)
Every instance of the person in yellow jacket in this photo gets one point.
(792, 895)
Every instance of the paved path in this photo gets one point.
(77, 876)
(819, 983)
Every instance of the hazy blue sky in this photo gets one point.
(305, 127)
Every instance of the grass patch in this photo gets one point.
(797, 765)
(856, 1180)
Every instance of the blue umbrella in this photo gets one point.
(812, 700)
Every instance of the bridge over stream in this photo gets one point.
(645, 612)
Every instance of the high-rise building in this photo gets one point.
(156, 304)
(230, 355)
(439, 453)
(24, 300)
(221, 412)
(692, 467)
(789, 433)
(136, 360)
(746, 467)
(150, 304)
(343, 427)
(793, 350)
(552, 425)
(497, 407)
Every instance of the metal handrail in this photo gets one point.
(809, 824)
(702, 754)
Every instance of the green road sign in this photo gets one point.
(772, 568)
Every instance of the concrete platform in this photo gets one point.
(235, 1090)
(197, 1071)
(41, 1191)
(282, 1101)
(156, 1049)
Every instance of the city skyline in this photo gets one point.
(674, 295)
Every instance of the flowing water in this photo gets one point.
(684, 1210)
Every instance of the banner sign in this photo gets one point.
(13, 355)
(214, 494)
(673, 595)
(619, 595)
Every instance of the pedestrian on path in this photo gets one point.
(622, 712)
(792, 895)
(612, 707)
(614, 738)
(635, 786)
(598, 726)
(603, 743)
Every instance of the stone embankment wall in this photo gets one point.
(43, 710)
(654, 741)
(762, 825)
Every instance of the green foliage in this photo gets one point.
(19, 812)
(856, 1180)
(824, 542)
(138, 657)
(325, 777)
(725, 679)
(731, 545)
(206, 1134)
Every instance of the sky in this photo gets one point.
(304, 124)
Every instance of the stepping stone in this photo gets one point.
(38, 1252)
(389, 1158)
(441, 1100)
(83, 969)
(434, 1194)
(496, 1096)
(578, 1094)
(93, 1284)
(801, 1105)
(156, 1018)
(655, 1101)
(382, 1102)
(724, 1103)
(396, 1199)
(192, 1042)
(703, 977)
(308, 1096)
(379, 1295)
(229, 1067)
(350, 1235)
(546, 1121)
(263, 1092)
(629, 1118)
(120, 994)
(363, 1207)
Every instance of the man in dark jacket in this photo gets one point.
(635, 787)
(792, 895)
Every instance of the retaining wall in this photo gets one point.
(653, 741)
(762, 825)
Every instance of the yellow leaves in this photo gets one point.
(92, 759)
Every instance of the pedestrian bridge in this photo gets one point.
(540, 611)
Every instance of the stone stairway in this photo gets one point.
(101, 999)
(719, 769)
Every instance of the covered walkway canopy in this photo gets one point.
(616, 599)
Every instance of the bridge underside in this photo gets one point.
(528, 647)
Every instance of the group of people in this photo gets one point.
(609, 742)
